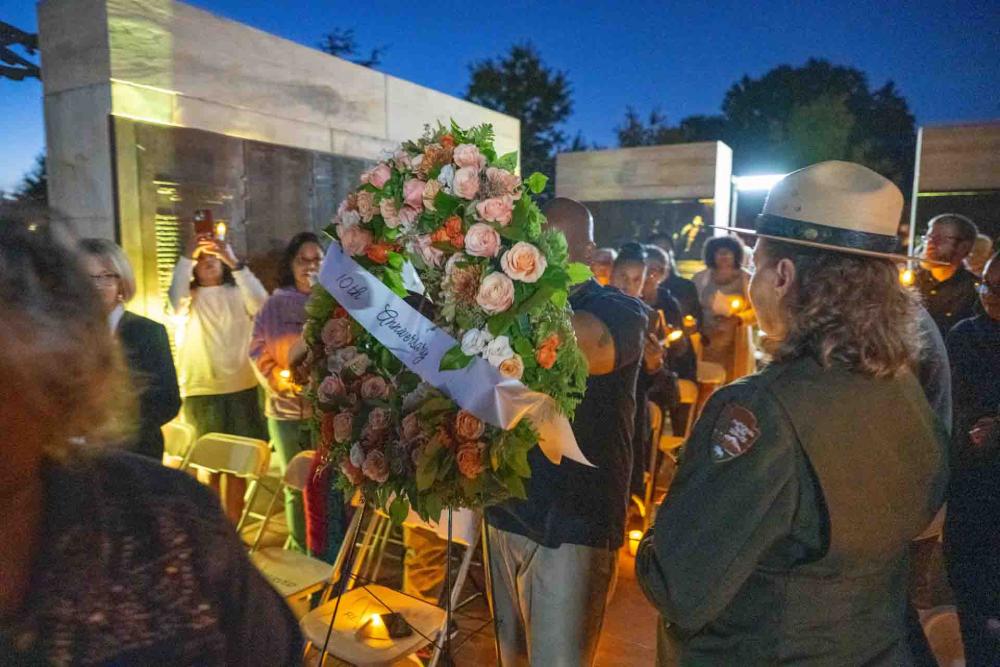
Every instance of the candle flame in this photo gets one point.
(220, 230)
(906, 277)
(285, 373)
(736, 304)
(675, 335)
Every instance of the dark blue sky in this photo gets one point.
(680, 56)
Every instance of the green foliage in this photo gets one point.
(536, 182)
(454, 359)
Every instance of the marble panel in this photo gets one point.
(73, 38)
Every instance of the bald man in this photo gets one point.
(553, 556)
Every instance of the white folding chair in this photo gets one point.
(178, 439)
(292, 574)
(360, 604)
(667, 444)
(233, 455)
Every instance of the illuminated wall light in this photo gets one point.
(756, 183)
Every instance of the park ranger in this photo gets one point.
(783, 538)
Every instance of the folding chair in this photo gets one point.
(178, 438)
(944, 636)
(358, 605)
(233, 455)
(292, 574)
(709, 374)
(667, 444)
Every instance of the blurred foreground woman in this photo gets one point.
(107, 557)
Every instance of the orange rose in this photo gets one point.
(548, 351)
(457, 240)
(378, 253)
(453, 225)
(440, 235)
(448, 141)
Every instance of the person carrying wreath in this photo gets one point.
(784, 536)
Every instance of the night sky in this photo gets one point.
(681, 57)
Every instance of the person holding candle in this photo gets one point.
(723, 294)
(784, 536)
(274, 343)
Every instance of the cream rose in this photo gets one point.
(496, 209)
(523, 262)
(378, 419)
(343, 425)
(431, 189)
(390, 215)
(374, 388)
(496, 293)
(482, 241)
(470, 459)
(366, 205)
(330, 388)
(410, 426)
(468, 156)
(376, 468)
(337, 332)
(466, 183)
(512, 367)
(355, 240)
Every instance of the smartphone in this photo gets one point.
(203, 222)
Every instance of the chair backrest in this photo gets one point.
(465, 525)
(178, 437)
(687, 392)
(297, 473)
(233, 454)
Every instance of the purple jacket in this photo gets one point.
(276, 328)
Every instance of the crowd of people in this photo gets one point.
(853, 409)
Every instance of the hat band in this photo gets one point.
(800, 230)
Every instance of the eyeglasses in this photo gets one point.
(104, 279)
(940, 238)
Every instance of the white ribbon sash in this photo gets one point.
(420, 344)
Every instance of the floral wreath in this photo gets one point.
(493, 277)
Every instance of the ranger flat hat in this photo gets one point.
(834, 205)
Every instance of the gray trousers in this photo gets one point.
(549, 604)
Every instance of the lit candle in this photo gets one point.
(906, 277)
(736, 304)
(689, 321)
(634, 536)
(675, 336)
(220, 230)
(285, 373)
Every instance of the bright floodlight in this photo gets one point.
(756, 183)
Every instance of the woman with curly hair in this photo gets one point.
(723, 295)
(108, 558)
(784, 536)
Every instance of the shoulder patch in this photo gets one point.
(735, 433)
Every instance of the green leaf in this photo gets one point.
(396, 260)
(513, 233)
(516, 487)
(517, 459)
(495, 458)
(559, 298)
(536, 182)
(445, 204)
(578, 272)
(541, 295)
(499, 322)
(433, 504)
(426, 473)
(454, 359)
(399, 510)
(507, 161)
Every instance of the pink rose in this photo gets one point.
(411, 426)
(390, 215)
(374, 387)
(470, 459)
(513, 367)
(337, 332)
(466, 183)
(402, 160)
(496, 293)
(523, 262)
(376, 468)
(496, 209)
(468, 426)
(413, 193)
(431, 189)
(343, 426)
(424, 246)
(366, 205)
(407, 216)
(330, 388)
(351, 472)
(378, 176)
(502, 182)
(355, 240)
(378, 419)
(482, 241)
(468, 156)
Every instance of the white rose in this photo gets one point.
(350, 219)
(498, 351)
(357, 455)
(474, 341)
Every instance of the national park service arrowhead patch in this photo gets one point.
(735, 433)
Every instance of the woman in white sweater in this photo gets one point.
(217, 297)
